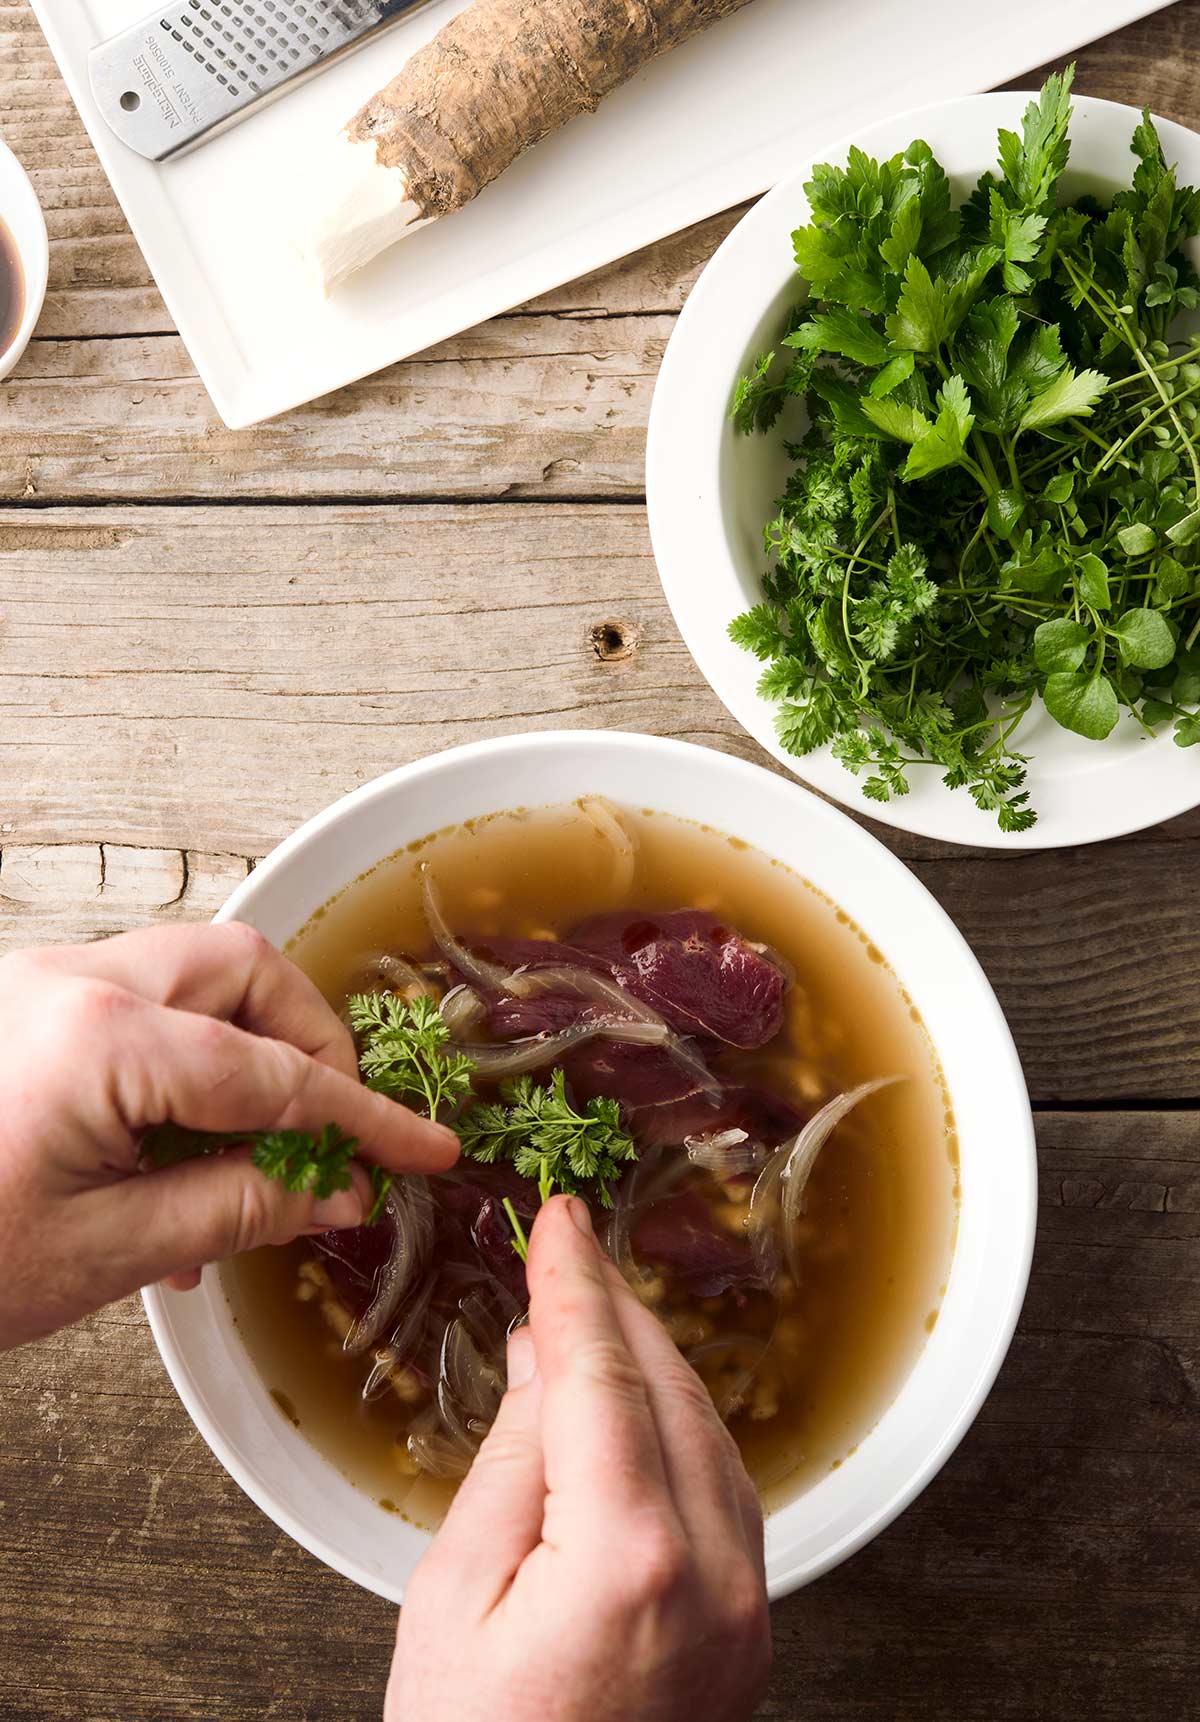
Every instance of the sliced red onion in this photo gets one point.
(536, 1051)
(785, 1176)
(439, 1455)
(489, 1319)
(489, 976)
(605, 817)
(728, 1153)
(455, 1422)
(585, 983)
(462, 1010)
(472, 1380)
(402, 976)
(406, 1337)
(408, 1210)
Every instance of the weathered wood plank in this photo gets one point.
(62, 893)
(245, 667)
(524, 406)
(1059, 1540)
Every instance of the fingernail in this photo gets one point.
(581, 1217)
(338, 1213)
(522, 1359)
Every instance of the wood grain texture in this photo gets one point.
(540, 406)
(1048, 1572)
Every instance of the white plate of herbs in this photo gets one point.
(975, 453)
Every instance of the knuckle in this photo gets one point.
(252, 944)
(744, 1604)
(688, 1390)
(660, 1568)
(507, 1450)
(743, 1622)
(253, 1217)
(604, 1362)
(91, 1006)
(295, 1074)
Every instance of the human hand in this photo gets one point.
(603, 1559)
(208, 1027)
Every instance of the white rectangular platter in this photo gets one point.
(704, 127)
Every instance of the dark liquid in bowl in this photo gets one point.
(880, 1209)
(12, 289)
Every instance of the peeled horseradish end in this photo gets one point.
(496, 79)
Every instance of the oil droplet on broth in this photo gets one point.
(866, 1307)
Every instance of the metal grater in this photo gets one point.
(187, 72)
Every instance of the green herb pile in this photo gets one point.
(998, 495)
(405, 1052)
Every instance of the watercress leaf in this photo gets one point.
(1185, 689)
(1155, 712)
(1187, 730)
(845, 333)
(1172, 580)
(1060, 488)
(1060, 644)
(1005, 512)
(895, 419)
(1185, 531)
(1084, 703)
(945, 443)
(895, 372)
(1137, 539)
(1093, 582)
(1034, 569)
(1159, 465)
(1071, 395)
(1144, 639)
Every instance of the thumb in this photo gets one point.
(161, 1223)
(495, 1520)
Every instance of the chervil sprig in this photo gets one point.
(406, 1051)
(537, 1128)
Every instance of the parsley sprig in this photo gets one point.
(998, 495)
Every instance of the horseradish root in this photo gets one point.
(499, 77)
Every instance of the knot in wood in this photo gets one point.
(614, 641)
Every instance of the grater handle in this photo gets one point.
(162, 96)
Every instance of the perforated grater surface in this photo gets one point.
(194, 68)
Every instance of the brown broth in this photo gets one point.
(881, 1206)
(12, 289)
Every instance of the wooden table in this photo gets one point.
(206, 635)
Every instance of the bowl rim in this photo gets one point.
(33, 248)
(1022, 1145)
(680, 504)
